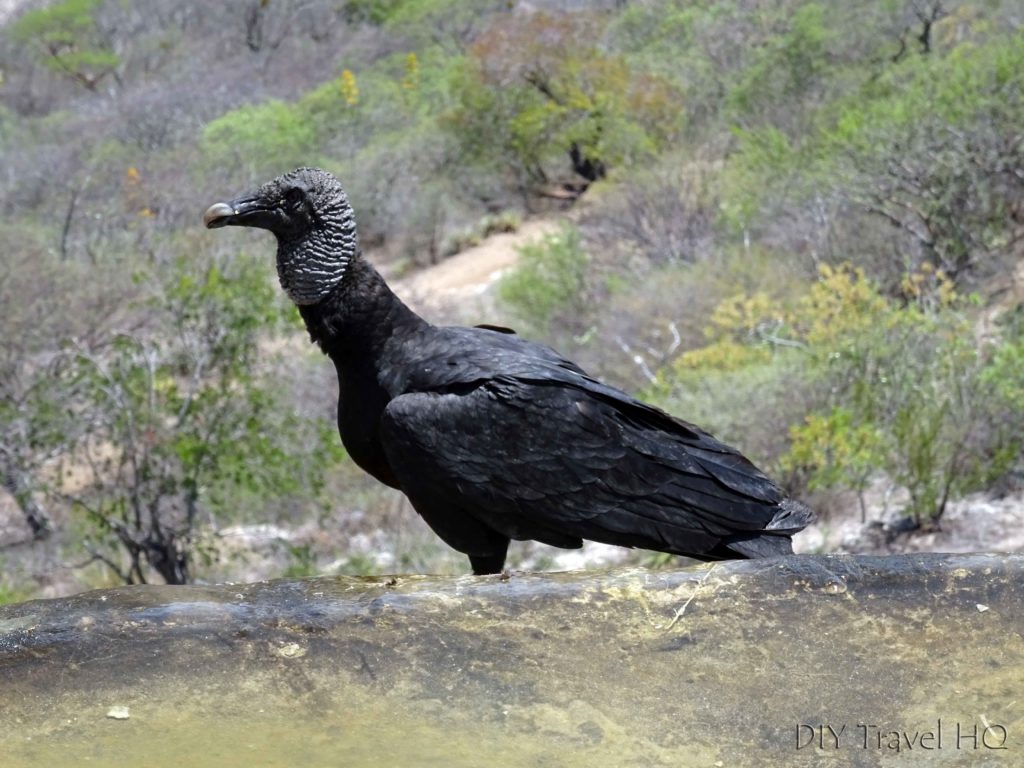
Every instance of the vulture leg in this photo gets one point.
(486, 564)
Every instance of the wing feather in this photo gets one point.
(556, 451)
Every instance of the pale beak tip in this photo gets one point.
(217, 215)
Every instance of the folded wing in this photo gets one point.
(544, 452)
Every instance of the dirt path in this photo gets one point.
(468, 275)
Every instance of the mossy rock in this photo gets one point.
(736, 664)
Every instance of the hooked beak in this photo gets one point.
(247, 211)
(218, 215)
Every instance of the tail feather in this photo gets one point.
(775, 540)
(792, 516)
(754, 547)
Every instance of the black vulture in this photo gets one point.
(493, 437)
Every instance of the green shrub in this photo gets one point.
(1003, 372)
(260, 138)
(12, 594)
(910, 394)
(549, 282)
(786, 69)
(500, 223)
(371, 11)
(845, 384)
(181, 426)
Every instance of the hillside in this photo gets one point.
(795, 223)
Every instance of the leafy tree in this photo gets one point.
(786, 71)
(180, 424)
(948, 130)
(538, 87)
(923, 152)
(68, 41)
(909, 393)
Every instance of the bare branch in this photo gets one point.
(637, 359)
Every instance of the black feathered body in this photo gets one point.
(492, 437)
(495, 438)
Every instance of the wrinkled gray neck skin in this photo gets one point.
(311, 264)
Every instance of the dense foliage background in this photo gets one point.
(796, 223)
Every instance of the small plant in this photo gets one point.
(301, 561)
(461, 241)
(549, 282)
(508, 221)
(11, 593)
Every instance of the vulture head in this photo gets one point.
(309, 213)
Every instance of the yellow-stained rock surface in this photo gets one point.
(801, 661)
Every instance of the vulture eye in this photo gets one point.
(294, 196)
